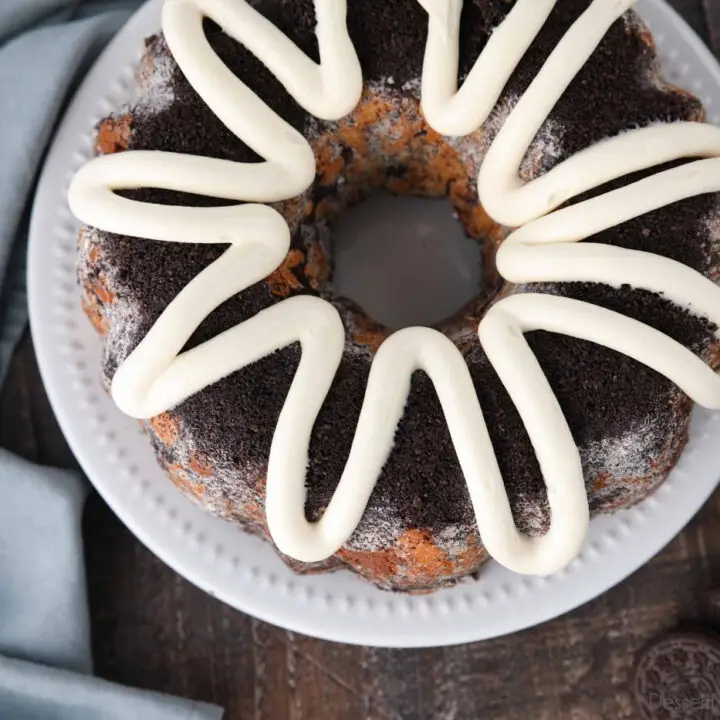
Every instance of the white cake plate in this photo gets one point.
(242, 570)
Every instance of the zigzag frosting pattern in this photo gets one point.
(158, 376)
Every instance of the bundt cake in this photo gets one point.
(563, 389)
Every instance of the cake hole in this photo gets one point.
(405, 260)
(392, 229)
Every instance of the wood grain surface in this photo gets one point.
(152, 629)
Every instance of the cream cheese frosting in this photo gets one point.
(546, 247)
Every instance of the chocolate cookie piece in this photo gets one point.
(678, 676)
(710, 606)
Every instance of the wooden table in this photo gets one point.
(152, 629)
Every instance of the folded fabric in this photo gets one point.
(45, 660)
(43, 608)
(33, 692)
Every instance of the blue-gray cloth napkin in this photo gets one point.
(45, 661)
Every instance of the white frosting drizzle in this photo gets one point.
(157, 376)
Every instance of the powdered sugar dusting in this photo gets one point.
(712, 227)
(379, 533)
(412, 87)
(544, 151)
(225, 495)
(125, 316)
(627, 455)
(454, 539)
(155, 77)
